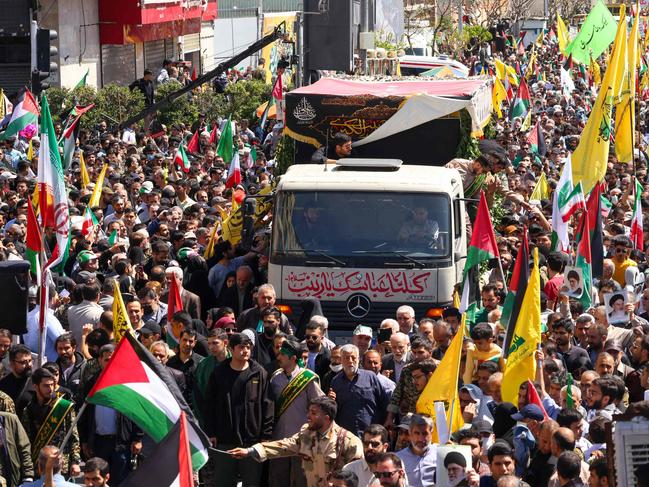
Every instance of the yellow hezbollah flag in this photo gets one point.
(232, 226)
(442, 386)
(625, 106)
(521, 361)
(121, 322)
(590, 159)
(541, 190)
(562, 34)
(498, 96)
(527, 122)
(504, 71)
(99, 187)
(85, 179)
(30, 150)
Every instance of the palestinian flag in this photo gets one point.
(594, 208)
(584, 261)
(537, 140)
(181, 158)
(169, 464)
(83, 81)
(606, 206)
(516, 290)
(193, 145)
(521, 103)
(483, 246)
(135, 384)
(225, 149)
(25, 112)
(533, 397)
(567, 84)
(234, 172)
(33, 242)
(213, 134)
(572, 202)
(637, 235)
(71, 133)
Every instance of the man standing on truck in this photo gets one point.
(483, 173)
(340, 146)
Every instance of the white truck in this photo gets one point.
(365, 236)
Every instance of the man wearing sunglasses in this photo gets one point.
(389, 471)
(375, 443)
(621, 250)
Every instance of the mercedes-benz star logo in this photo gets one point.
(358, 305)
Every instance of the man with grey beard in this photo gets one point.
(360, 397)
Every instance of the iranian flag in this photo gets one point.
(225, 149)
(516, 292)
(584, 261)
(71, 133)
(52, 193)
(174, 303)
(521, 103)
(90, 222)
(181, 158)
(135, 384)
(483, 247)
(168, 464)
(560, 238)
(637, 234)
(234, 172)
(569, 204)
(33, 242)
(24, 113)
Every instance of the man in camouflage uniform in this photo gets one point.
(405, 395)
(323, 445)
(43, 407)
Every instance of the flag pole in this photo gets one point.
(68, 434)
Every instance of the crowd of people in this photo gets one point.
(266, 386)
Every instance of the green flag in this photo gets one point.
(226, 142)
(82, 82)
(112, 238)
(595, 35)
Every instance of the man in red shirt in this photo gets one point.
(556, 263)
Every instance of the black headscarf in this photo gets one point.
(503, 422)
(310, 307)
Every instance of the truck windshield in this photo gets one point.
(343, 225)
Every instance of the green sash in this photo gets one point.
(293, 389)
(475, 186)
(51, 425)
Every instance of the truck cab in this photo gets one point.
(365, 236)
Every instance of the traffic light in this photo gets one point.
(42, 52)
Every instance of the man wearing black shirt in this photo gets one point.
(572, 355)
(239, 412)
(186, 362)
(264, 353)
(17, 384)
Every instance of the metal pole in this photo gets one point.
(74, 424)
(460, 14)
(299, 75)
(364, 28)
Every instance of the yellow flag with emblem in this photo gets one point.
(521, 360)
(95, 197)
(85, 179)
(121, 322)
(595, 72)
(625, 91)
(504, 71)
(542, 189)
(590, 159)
(527, 122)
(30, 150)
(264, 204)
(443, 385)
(232, 226)
(498, 96)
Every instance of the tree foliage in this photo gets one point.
(181, 110)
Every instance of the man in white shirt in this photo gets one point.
(53, 328)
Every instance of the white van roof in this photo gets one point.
(336, 177)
